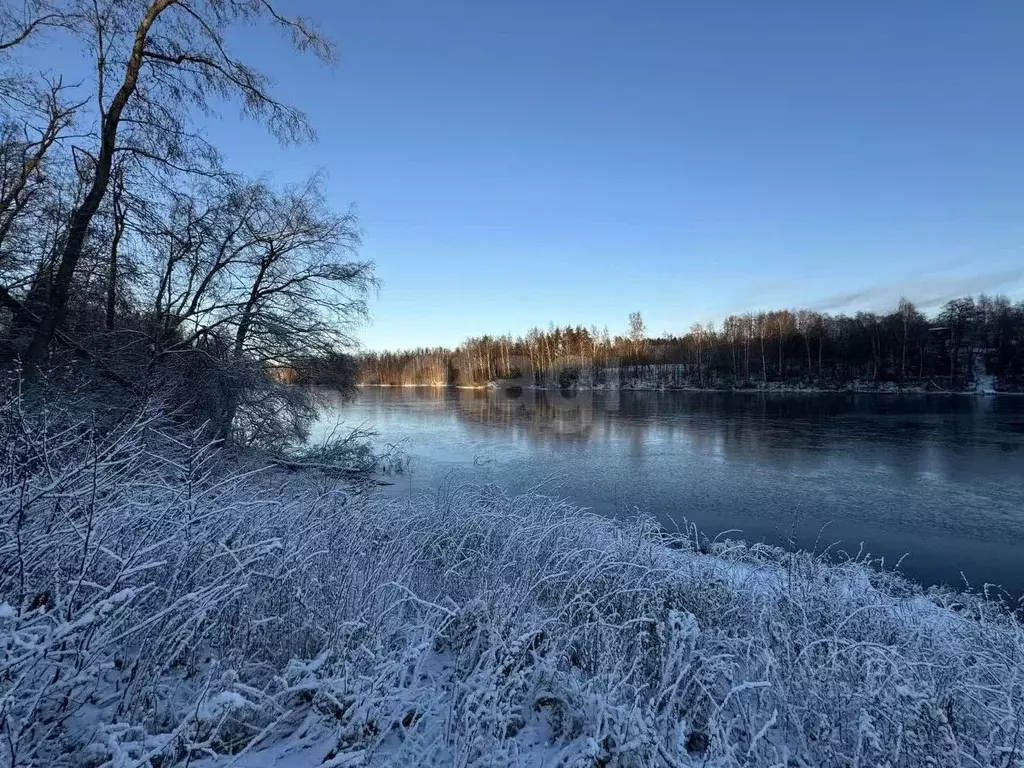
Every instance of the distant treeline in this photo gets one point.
(968, 339)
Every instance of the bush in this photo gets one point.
(568, 378)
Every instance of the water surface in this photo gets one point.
(937, 478)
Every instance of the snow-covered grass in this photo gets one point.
(164, 604)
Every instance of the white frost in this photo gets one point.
(276, 618)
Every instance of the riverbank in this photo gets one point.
(524, 631)
(189, 606)
(770, 389)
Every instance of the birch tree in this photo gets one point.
(154, 64)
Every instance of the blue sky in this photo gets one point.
(519, 163)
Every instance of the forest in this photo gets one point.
(969, 341)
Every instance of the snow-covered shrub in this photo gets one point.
(165, 604)
(141, 585)
(562, 636)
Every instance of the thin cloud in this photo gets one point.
(842, 300)
(927, 291)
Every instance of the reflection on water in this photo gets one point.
(939, 477)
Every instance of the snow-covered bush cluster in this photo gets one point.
(162, 603)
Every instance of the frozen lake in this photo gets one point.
(938, 478)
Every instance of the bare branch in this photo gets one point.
(48, 20)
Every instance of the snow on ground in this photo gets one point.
(984, 384)
(164, 609)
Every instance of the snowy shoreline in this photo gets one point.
(564, 638)
(193, 606)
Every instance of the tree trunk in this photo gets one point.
(244, 325)
(903, 357)
(119, 224)
(764, 363)
(954, 349)
(746, 358)
(78, 226)
(876, 353)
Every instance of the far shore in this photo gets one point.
(785, 390)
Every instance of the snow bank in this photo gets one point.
(164, 610)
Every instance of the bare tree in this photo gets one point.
(28, 135)
(732, 328)
(958, 315)
(909, 318)
(871, 326)
(149, 71)
(699, 335)
(271, 274)
(761, 321)
(782, 322)
(637, 332)
(748, 332)
(805, 324)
